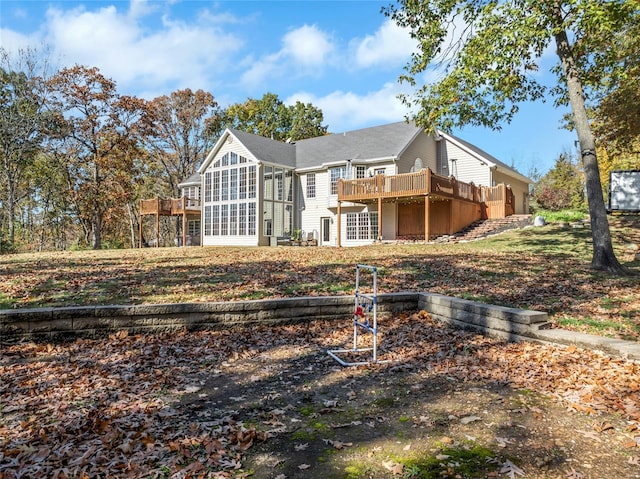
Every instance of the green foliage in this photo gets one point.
(562, 216)
(271, 118)
(473, 462)
(562, 187)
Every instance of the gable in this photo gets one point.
(253, 147)
(482, 156)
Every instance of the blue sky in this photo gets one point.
(345, 57)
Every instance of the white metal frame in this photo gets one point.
(366, 307)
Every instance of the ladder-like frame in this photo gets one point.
(366, 306)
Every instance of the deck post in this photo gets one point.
(339, 222)
(427, 216)
(426, 219)
(379, 218)
(158, 223)
(451, 203)
(184, 225)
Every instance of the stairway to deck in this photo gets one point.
(484, 228)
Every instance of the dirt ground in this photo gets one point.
(402, 419)
(270, 403)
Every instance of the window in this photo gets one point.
(352, 226)
(193, 228)
(224, 220)
(216, 186)
(335, 174)
(225, 185)
(311, 185)
(215, 221)
(380, 171)
(361, 171)
(233, 219)
(279, 186)
(252, 219)
(362, 226)
(242, 219)
(207, 220)
(229, 184)
(268, 183)
(288, 185)
(252, 182)
(233, 184)
(242, 190)
(207, 186)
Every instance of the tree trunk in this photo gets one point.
(96, 239)
(603, 256)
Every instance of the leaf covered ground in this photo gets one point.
(270, 403)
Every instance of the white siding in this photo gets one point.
(466, 167)
(423, 147)
(316, 208)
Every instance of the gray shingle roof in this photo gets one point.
(192, 180)
(267, 150)
(376, 142)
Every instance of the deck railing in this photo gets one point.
(498, 201)
(168, 206)
(421, 183)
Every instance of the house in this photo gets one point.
(381, 183)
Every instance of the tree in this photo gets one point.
(617, 110)
(485, 51)
(179, 135)
(100, 146)
(23, 124)
(271, 118)
(562, 187)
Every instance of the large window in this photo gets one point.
(277, 215)
(229, 183)
(362, 226)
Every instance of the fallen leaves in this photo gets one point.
(112, 407)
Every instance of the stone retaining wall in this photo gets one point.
(513, 324)
(96, 321)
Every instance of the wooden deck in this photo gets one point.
(422, 183)
(437, 204)
(170, 206)
(158, 207)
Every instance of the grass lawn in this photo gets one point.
(536, 268)
(269, 403)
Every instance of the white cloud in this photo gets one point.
(390, 46)
(304, 51)
(13, 41)
(348, 110)
(307, 45)
(140, 8)
(179, 54)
